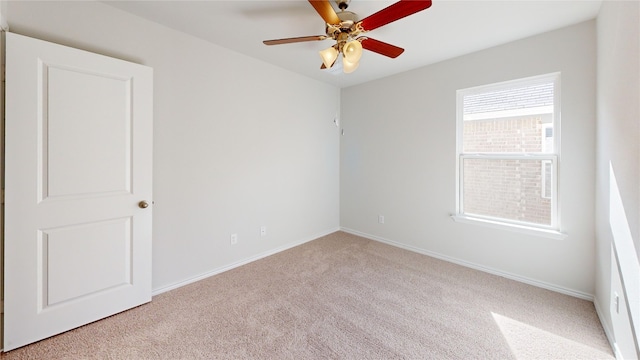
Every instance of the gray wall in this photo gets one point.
(618, 172)
(238, 143)
(398, 160)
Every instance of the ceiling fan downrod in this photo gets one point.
(343, 4)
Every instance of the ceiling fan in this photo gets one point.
(345, 28)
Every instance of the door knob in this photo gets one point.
(143, 204)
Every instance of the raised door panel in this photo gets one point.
(98, 108)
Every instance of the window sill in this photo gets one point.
(550, 234)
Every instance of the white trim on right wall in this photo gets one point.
(516, 277)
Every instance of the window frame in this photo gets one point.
(543, 185)
(551, 230)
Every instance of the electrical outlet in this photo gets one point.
(234, 239)
(380, 219)
(263, 231)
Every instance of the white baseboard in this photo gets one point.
(236, 264)
(522, 279)
(607, 330)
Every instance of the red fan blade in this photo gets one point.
(326, 11)
(380, 47)
(294, 40)
(394, 12)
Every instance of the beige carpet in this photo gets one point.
(342, 297)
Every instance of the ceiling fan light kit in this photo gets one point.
(352, 51)
(329, 56)
(349, 67)
(344, 28)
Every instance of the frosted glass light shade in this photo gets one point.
(349, 67)
(329, 56)
(352, 51)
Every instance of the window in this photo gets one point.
(508, 151)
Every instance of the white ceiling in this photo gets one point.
(449, 28)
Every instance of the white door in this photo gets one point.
(78, 174)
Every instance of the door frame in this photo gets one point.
(3, 29)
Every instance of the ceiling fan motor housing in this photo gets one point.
(346, 16)
(345, 28)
